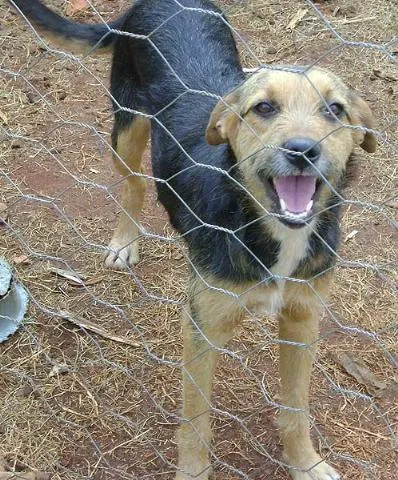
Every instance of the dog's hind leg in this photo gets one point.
(298, 323)
(207, 326)
(129, 143)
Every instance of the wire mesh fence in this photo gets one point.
(91, 382)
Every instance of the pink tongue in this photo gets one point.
(295, 191)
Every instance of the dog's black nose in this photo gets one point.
(302, 151)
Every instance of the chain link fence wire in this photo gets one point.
(90, 386)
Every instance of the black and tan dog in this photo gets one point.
(252, 182)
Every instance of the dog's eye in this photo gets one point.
(264, 109)
(335, 109)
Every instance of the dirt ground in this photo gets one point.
(90, 387)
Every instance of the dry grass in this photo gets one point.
(80, 405)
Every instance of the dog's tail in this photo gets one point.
(74, 36)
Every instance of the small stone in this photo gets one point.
(16, 144)
(27, 391)
(32, 97)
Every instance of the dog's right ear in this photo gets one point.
(224, 120)
(361, 114)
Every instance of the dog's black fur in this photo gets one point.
(152, 75)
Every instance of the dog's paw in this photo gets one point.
(315, 471)
(121, 257)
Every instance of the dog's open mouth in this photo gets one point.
(296, 196)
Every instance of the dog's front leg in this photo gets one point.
(298, 323)
(207, 326)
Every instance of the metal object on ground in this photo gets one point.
(13, 302)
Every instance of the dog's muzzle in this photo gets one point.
(295, 191)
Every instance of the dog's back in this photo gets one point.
(172, 50)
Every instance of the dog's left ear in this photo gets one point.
(362, 115)
(223, 121)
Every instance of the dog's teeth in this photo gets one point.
(295, 215)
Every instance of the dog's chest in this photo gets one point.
(293, 249)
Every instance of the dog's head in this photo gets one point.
(292, 134)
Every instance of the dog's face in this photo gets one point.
(292, 139)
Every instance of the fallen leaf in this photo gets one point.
(3, 118)
(34, 476)
(95, 328)
(351, 235)
(93, 170)
(76, 6)
(21, 260)
(6, 474)
(392, 204)
(384, 76)
(390, 394)
(298, 17)
(94, 280)
(68, 274)
(3, 213)
(357, 369)
(58, 370)
(24, 476)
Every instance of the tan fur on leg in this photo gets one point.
(130, 146)
(298, 322)
(210, 322)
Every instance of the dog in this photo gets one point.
(251, 171)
